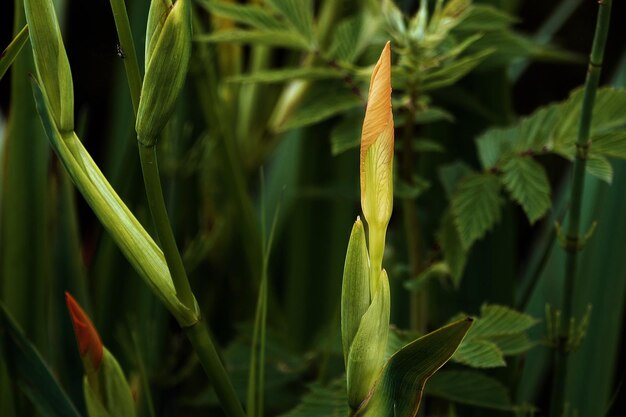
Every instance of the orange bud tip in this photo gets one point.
(88, 339)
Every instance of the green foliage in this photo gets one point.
(29, 372)
(476, 206)
(499, 331)
(527, 182)
(10, 53)
(328, 401)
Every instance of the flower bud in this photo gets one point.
(89, 343)
(53, 67)
(377, 139)
(168, 49)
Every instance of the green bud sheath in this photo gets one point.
(53, 67)
(367, 352)
(112, 396)
(355, 290)
(167, 59)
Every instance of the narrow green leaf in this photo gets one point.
(248, 14)
(482, 17)
(453, 72)
(277, 38)
(471, 388)
(299, 15)
(476, 206)
(30, 372)
(355, 290)
(527, 182)
(398, 391)
(8, 55)
(367, 351)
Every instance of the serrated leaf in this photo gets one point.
(476, 206)
(454, 253)
(513, 344)
(609, 145)
(398, 391)
(451, 174)
(277, 38)
(600, 167)
(286, 74)
(497, 320)
(29, 371)
(554, 128)
(11, 51)
(527, 182)
(479, 353)
(471, 388)
(299, 15)
(251, 15)
(330, 401)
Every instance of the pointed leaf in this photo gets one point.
(399, 389)
(299, 15)
(497, 320)
(527, 182)
(11, 51)
(30, 372)
(476, 206)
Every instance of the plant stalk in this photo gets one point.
(573, 237)
(199, 338)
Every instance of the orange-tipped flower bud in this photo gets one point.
(377, 146)
(89, 343)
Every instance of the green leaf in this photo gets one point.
(476, 206)
(497, 320)
(454, 254)
(479, 354)
(322, 104)
(330, 401)
(399, 389)
(527, 182)
(609, 145)
(30, 372)
(346, 134)
(287, 74)
(355, 290)
(11, 51)
(115, 396)
(277, 38)
(485, 18)
(554, 128)
(436, 271)
(450, 176)
(600, 167)
(405, 190)
(471, 388)
(513, 344)
(351, 37)
(368, 348)
(299, 15)
(251, 15)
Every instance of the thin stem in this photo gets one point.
(573, 237)
(199, 338)
(127, 51)
(156, 202)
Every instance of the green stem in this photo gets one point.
(199, 338)
(127, 50)
(573, 237)
(156, 202)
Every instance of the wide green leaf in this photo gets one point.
(527, 182)
(471, 388)
(330, 401)
(476, 206)
(497, 320)
(29, 371)
(398, 391)
(479, 353)
(8, 55)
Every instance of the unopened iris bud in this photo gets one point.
(53, 67)
(377, 140)
(168, 49)
(105, 387)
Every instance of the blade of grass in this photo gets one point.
(10, 53)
